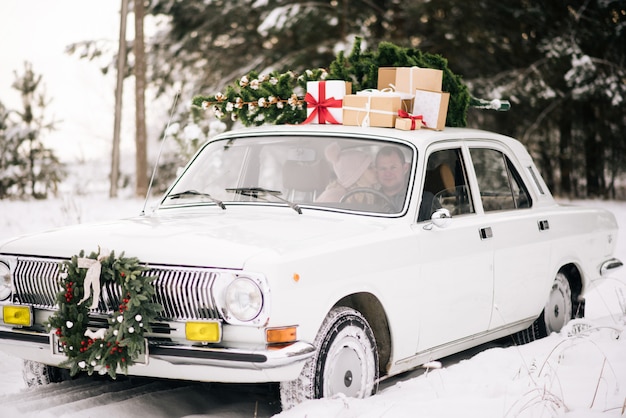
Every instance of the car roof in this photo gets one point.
(420, 137)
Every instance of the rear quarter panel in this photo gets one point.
(584, 236)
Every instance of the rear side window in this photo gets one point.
(501, 187)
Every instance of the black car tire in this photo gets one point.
(39, 374)
(346, 361)
(555, 315)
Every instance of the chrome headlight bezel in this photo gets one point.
(6, 279)
(243, 299)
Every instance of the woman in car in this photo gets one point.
(353, 168)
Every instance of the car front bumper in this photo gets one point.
(174, 361)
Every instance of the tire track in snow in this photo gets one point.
(134, 397)
(81, 396)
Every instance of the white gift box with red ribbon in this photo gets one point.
(324, 100)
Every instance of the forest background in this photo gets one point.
(561, 64)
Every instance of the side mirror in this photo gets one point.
(441, 219)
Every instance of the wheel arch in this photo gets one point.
(370, 307)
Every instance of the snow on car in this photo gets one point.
(326, 258)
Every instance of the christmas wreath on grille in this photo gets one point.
(104, 350)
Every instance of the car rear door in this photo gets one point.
(520, 235)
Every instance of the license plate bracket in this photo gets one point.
(142, 357)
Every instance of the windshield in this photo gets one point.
(315, 172)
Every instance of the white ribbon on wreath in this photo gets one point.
(92, 278)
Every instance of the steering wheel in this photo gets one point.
(387, 205)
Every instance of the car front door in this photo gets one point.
(456, 289)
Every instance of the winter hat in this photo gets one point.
(349, 165)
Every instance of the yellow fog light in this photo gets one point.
(17, 315)
(208, 332)
(280, 335)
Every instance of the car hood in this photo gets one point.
(224, 239)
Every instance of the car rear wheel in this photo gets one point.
(346, 361)
(556, 314)
(558, 310)
(39, 374)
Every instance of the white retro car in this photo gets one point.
(326, 258)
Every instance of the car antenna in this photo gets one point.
(156, 164)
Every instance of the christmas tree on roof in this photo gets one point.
(278, 98)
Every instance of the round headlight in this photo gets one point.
(5, 281)
(244, 299)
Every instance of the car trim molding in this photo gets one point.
(466, 343)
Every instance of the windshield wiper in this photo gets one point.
(258, 192)
(197, 193)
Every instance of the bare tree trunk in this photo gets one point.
(565, 155)
(593, 151)
(141, 157)
(121, 64)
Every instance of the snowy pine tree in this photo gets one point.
(27, 166)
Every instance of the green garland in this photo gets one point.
(256, 98)
(118, 346)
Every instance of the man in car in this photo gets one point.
(391, 172)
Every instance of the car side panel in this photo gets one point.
(455, 281)
(522, 270)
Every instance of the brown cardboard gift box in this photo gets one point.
(372, 109)
(407, 124)
(409, 79)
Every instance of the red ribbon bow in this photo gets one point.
(405, 115)
(320, 107)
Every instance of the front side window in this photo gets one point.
(445, 185)
(316, 172)
(501, 187)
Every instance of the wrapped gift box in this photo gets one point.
(409, 79)
(371, 109)
(386, 77)
(326, 96)
(433, 106)
(407, 124)
(387, 82)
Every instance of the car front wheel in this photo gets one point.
(346, 361)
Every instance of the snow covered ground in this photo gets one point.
(577, 374)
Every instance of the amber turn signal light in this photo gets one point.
(280, 335)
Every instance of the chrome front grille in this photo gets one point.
(37, 282)
(185, 293)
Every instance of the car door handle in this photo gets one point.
(486, 233)
(543, 225)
